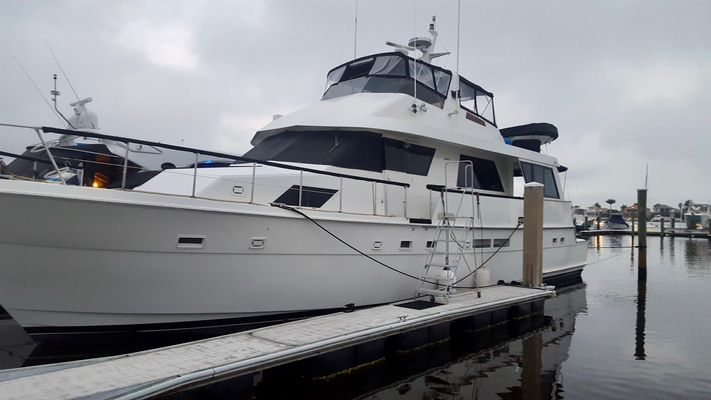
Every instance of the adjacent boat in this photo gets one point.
(616, 222)
(339, 204)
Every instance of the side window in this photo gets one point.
(541, 174)
(485, 175)
(407, 157)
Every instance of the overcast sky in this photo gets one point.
(626, 82)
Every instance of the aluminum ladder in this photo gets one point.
(452, 238)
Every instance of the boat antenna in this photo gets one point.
(36, 87)
(64, 74)
(414, 81)
(646, 175)
(355, 31)
(54, 94)
(459, 23)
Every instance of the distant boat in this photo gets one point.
(616, 222)
(697, 216)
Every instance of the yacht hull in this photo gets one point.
(77, 258)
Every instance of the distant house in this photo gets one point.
(633, 211)
(662, 209)
(593, 211)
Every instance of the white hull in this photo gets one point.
(117, 262)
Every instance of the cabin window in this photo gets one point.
(310, 196)
(406, 157)
(347, 149)
(482, 243)
(502, 243)
(541, 174)
(485, 175)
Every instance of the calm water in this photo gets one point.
(614, 337)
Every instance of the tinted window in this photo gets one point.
(357, 69)
(485, 175)
(346, 149)
(407, 157)
(541, 174)
(310, 196)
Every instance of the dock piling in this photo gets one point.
(642, 217)
(673, 220)
(533, 234)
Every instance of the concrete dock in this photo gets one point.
(175, 368)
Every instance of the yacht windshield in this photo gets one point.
(389, 73)
(477, 100)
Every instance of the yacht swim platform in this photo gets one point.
(395, 326)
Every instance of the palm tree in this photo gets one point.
(610, 202)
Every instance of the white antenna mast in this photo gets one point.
(355, 33)
(646, 174)
(414, 106)
(459, 22)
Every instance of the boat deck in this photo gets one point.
(149, 373)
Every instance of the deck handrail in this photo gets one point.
(214, 154)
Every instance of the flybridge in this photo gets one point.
(395, 72)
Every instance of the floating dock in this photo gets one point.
(356, 338)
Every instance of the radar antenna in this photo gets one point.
(425, 45)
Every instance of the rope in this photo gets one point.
(284, 206)
(395, 269)
(486, 261)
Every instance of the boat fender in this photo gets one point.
(482, 276)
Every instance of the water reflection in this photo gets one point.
(697, 253)
(526, 368)
(641, 306)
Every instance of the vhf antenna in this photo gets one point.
(54, 94)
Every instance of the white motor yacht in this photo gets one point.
(397, 183)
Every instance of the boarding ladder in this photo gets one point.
(452, 238)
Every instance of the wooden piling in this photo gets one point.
(533, 234)
(642, 217)
(661, 228)
(673, 219)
